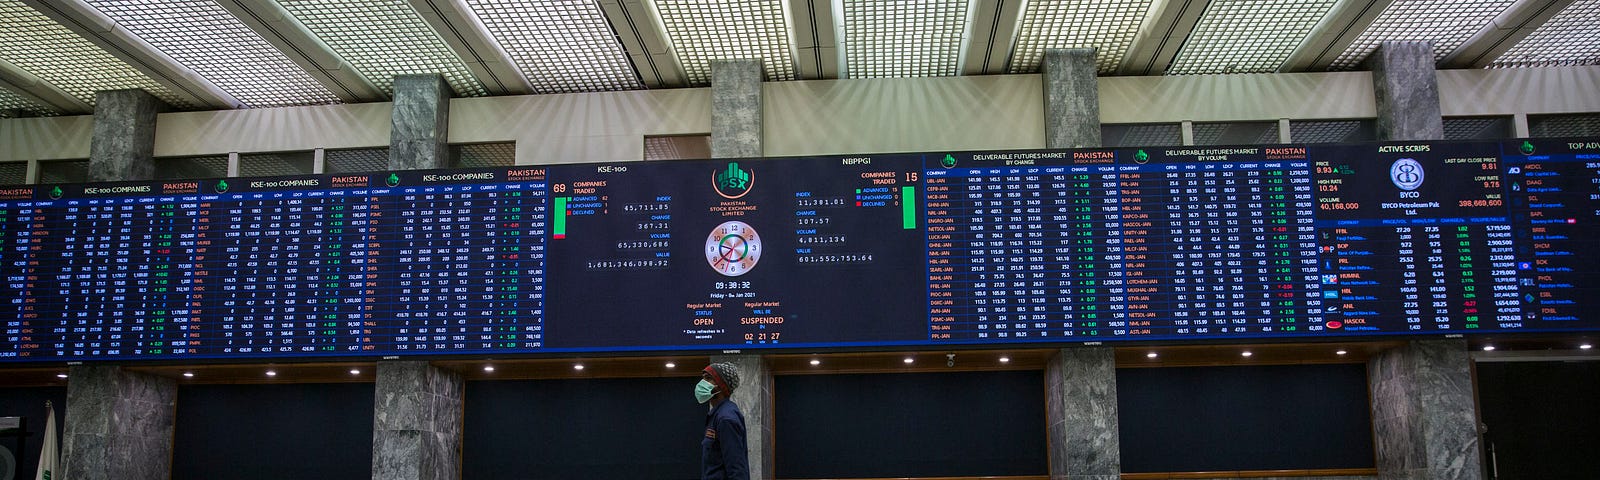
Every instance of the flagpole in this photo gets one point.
(49, 457)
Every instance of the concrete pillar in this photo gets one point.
(735, 108)
(417, 138)
(416, 422)
(754, 397)
(1071, 99)
(1082, 415)
(1423, 413)
(1407, 88)
(124, 142)
(118, 424)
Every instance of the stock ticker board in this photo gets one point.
(943, 248)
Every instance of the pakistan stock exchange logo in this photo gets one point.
(733, 182)
(1406, 173)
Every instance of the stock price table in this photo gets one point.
(944, 248)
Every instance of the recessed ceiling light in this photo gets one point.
(1341, 352)
(272, 373)
(1005, 359)
(815, 362)
(1488, 348)
(188, 374)
(578, 367)
(488, 368)
(1585, 346)
(908, 360)
(354, 371)
(672, 365)
(1247, 353)
(1151, 355)
(61, 375)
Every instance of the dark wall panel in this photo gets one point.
(911, 425)
(28, 402)
(1543, 418)
(273, 432)
(583, 429)
(1244, 418)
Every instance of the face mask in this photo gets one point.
(703, 391)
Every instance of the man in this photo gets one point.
(722, 451)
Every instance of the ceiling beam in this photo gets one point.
(638, 26)
(1502, 33)
(1167, 26)
(37, 90)
(992, 34)
(455, 23)
(1344, 23)
(815, 39)
(280, 29)
(97, 28)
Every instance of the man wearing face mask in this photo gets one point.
(722, 451)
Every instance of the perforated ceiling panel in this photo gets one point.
(703, 31)
(1107, 25)
(1247, 36)
(1569, 38)
(561, 46)
(1447, 23)
(892, 38)
(76, 66)
(382, 39)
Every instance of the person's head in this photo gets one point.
(717, 381)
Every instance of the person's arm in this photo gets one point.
(735, 456)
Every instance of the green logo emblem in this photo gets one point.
(1141, 157)
(1527, 147)
(222, 186)
(733, 182)
(55, 193)
(394, 179)
(949, 161)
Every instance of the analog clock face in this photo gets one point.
(733, 248)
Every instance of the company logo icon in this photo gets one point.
(948, 162)
(393, 180)
(1406, 173)
(733, 182)
(733, 248)
(221, 186)
(1141, 157)
(55, 193)
(1526, 148)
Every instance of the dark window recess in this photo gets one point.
(271, 432)
(677, 147)
(477, 155)
(623, 429)
(13, 173)
(964, 424)
(64, 171)
(1212, 419)
(1540, 418)
(1574, 125)
(359, 160)
(191, 167)
(1237, 133)
(275, 164)
(1477, 128)
(1333, 131)
(1141, 135)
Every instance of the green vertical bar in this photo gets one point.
(559, 225)
(908, 207)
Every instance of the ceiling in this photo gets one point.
(225, 54)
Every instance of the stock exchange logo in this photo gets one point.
(733, 182)
(1406, 173)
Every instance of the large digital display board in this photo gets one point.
(941, 248)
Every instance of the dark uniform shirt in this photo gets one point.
(722, 451)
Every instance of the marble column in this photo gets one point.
(736, 108)
(1407, 89)
(754, 397)
(416, 422)
(118, 424)
(1082, 415)
(1423, 413)
(124, 142)
(417, 137)
(1071, 98)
